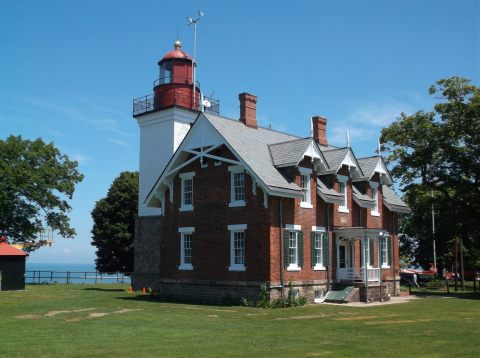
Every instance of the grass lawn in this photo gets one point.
(107, 321)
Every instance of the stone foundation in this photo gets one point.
(300, 288)
(147, 250)
(200, 291)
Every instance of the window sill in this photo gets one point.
(385, 266)
(293, 268)
(306, 205)
(375, 213)
(186, 267)
(237, 268)
(235, 204)
(186, 208)
(343, 210)
(318, 268)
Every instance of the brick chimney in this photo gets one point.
(319, 127)
(248, 109)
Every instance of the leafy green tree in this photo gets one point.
(436, 157)
(36, 183)
(114, 225)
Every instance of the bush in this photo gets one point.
(263, 300)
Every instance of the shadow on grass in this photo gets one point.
(468, 295)
(104, 289)
(158, 299)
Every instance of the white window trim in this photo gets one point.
(184, 176)
(374, 185)
(343, 179)
(233, 169)
(233, 229)
(319, 230)
(306, 172)
(368, 253)
(385, 264)
(183, 231)
(293, 227)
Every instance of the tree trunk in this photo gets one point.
(462, 272)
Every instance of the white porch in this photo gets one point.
(358, 257)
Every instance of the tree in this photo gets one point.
(114, 225)
(436, 157)
(36, 182)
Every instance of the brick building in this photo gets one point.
(227, 206)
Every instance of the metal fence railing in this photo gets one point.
(68, 277)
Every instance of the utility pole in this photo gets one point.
(433, 235)
(456, 264)
(462, 273)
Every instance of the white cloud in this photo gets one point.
(119, 142)
(378, 114)
(66, 251)
(80, 158)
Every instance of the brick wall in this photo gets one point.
(211, 217)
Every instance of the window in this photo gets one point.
(186, 234)
(293, 248)
(342, 190)
(386, 249)
(187, 191)
(305, 185)
(237, 247)
(369, 252)
(319, 248)
(237, 186)
(374, 195)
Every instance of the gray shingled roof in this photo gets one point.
(328, 194)
(335, 157)
(361, 199)
(393, 202)
(251, 144)
(289, 153)
(368, 165)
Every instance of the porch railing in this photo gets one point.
(352, 274)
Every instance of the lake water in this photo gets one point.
(74, 273)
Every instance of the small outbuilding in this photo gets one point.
(12, 267)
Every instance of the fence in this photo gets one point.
(68, 277)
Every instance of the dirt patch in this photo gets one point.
(55, 313)
(125, 310)
(318, 354)
(98, 314)
(28, 316)
(400, 321)
(212, 315)
(357, 318)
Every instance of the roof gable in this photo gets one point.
(375, 164)
(336, 158)
(291, 153)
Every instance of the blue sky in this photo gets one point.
(70, 69)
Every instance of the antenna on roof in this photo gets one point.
(193, 21)
(379, 147)
(348, 139)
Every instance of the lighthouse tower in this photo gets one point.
(164, 118)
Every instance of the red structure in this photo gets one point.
(174, 86)
(12, 267)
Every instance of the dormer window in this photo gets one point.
(237, 186)
(374, 195)
(343, 191)
(305, 174)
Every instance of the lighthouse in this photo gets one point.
(165, 117)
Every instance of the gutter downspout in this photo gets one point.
(280, 228)
(393, 255)
(329, 266)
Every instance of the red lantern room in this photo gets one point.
(175, 83)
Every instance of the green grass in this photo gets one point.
(426, 327)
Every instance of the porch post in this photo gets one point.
(337, 258)
(364, 259)
(379, 248)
